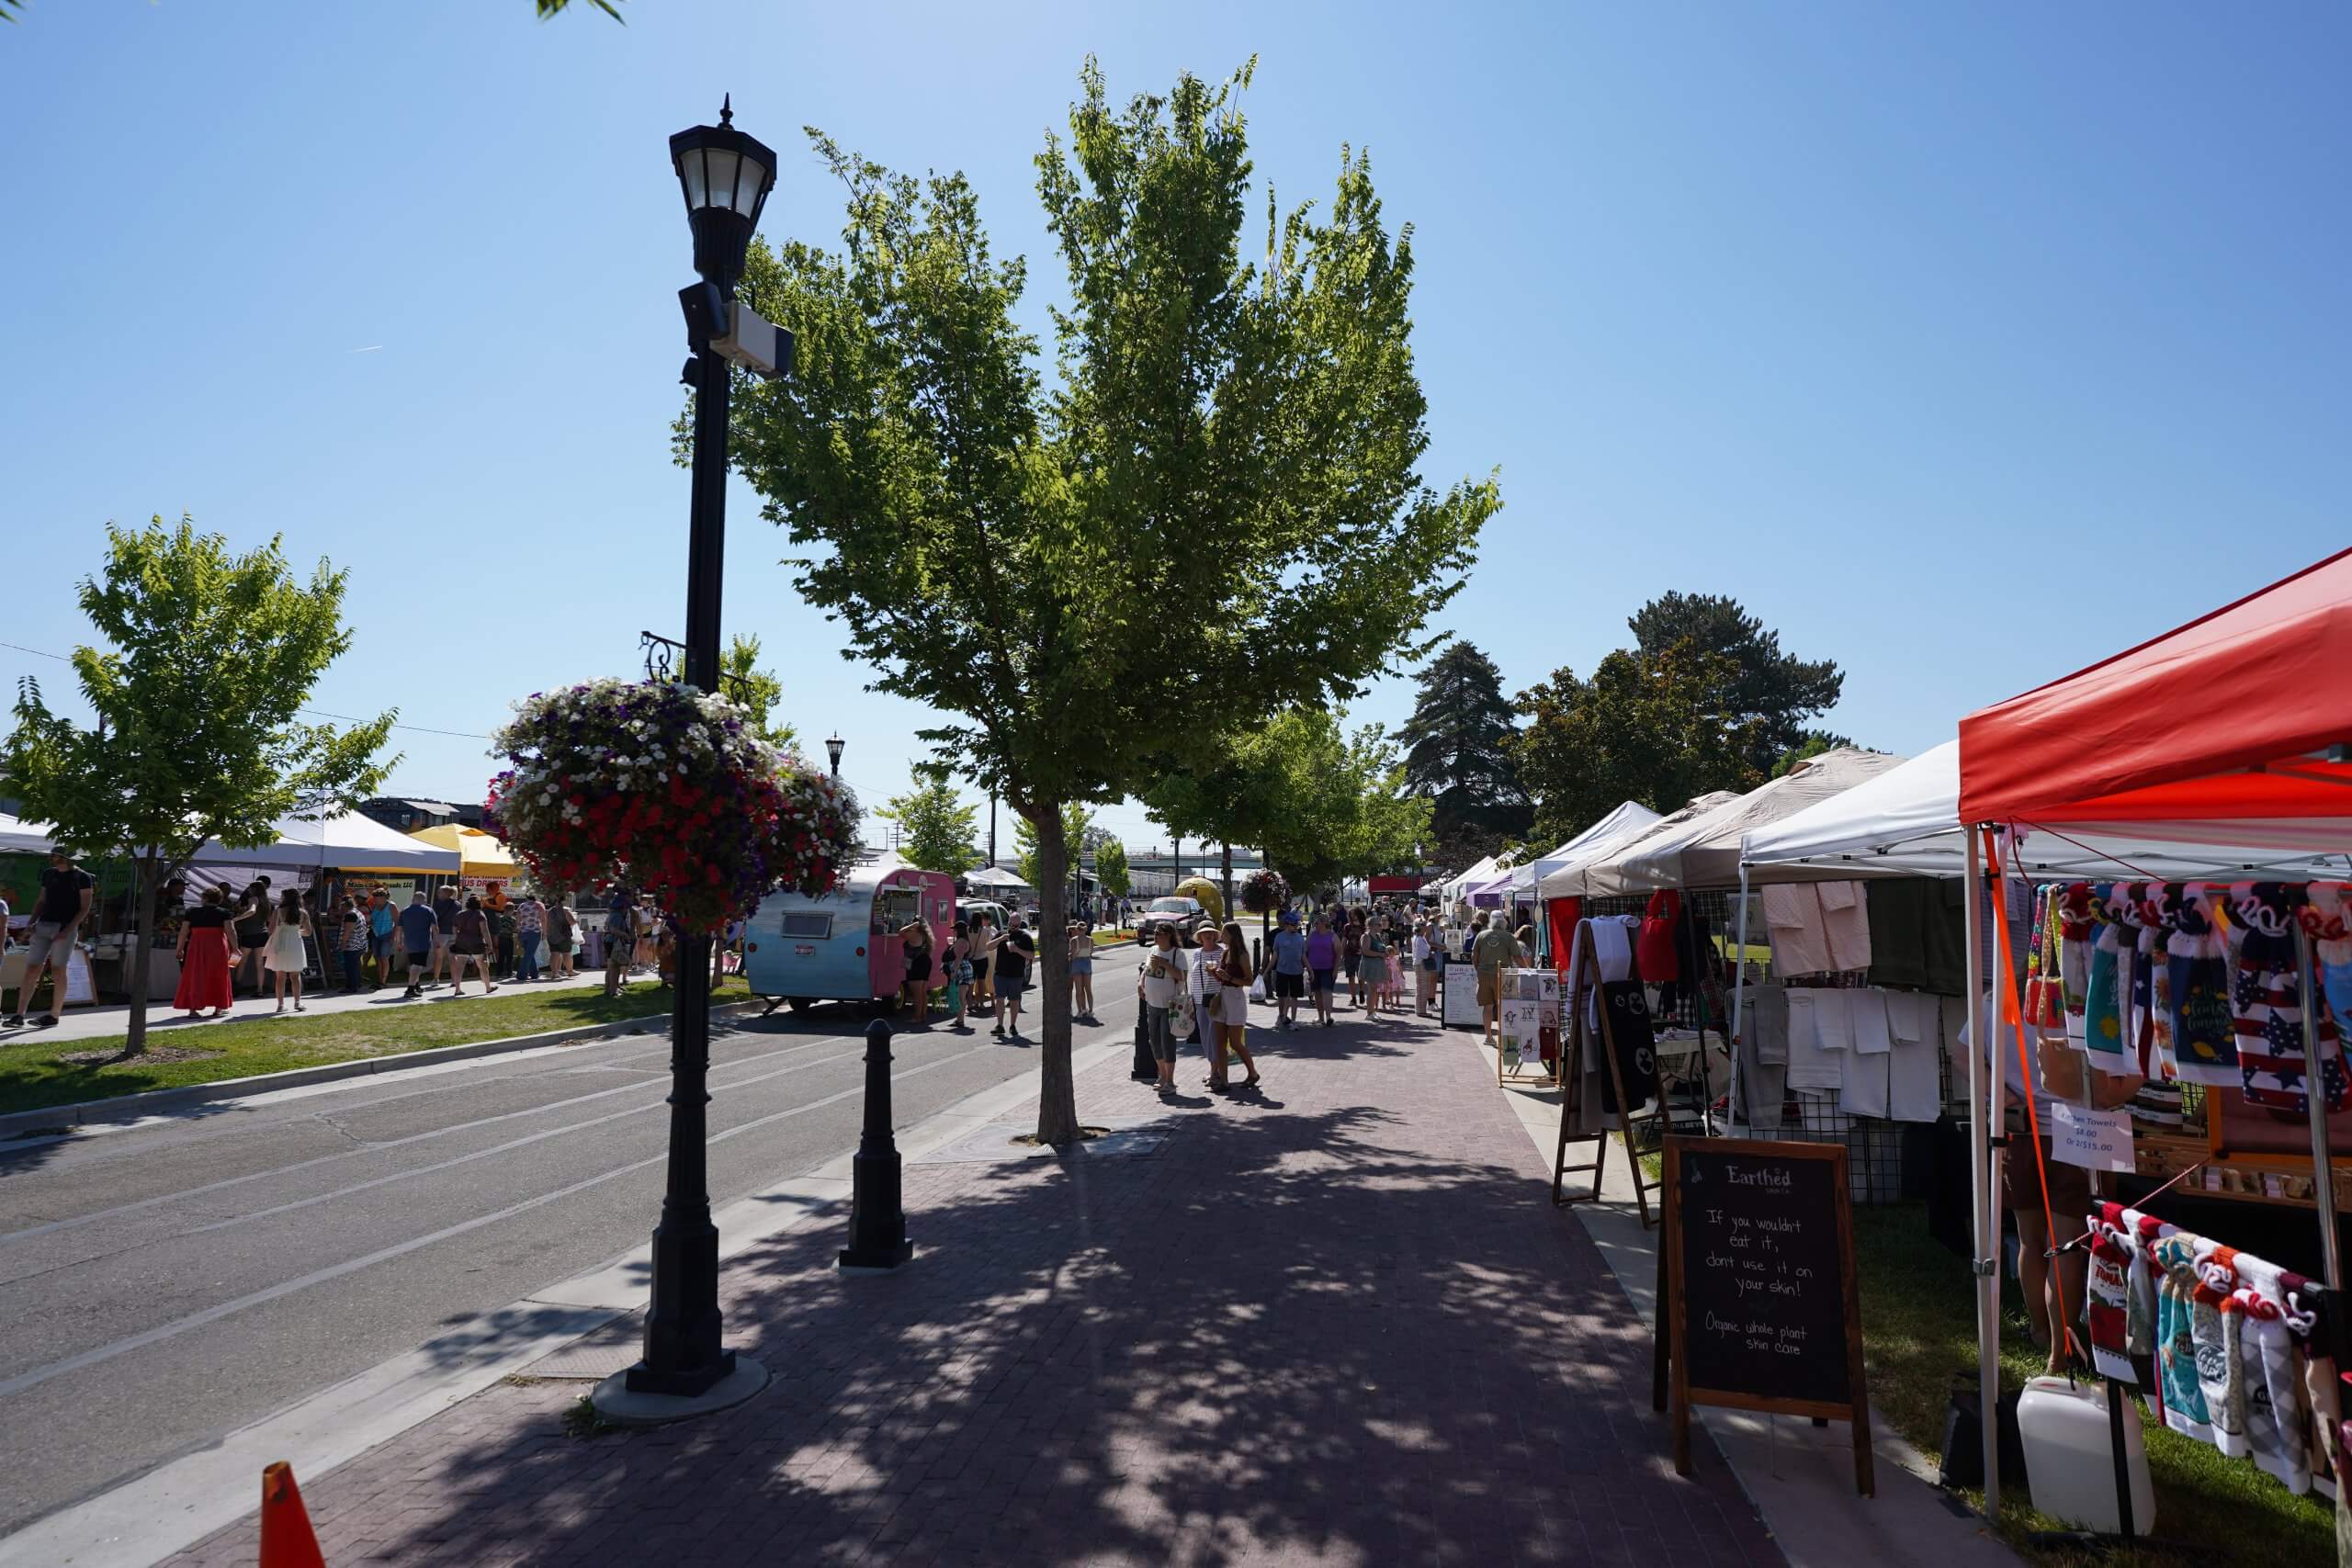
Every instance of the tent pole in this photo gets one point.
(2323, 1172)
(1738, 999)
(1981, 1174)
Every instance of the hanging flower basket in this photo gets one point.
(1264, 892)
(668, 790)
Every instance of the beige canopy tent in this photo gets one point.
(1705, 851)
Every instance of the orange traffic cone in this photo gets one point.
(287, 1541)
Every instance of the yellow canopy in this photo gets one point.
(480, 854)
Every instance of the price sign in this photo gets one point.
(1758, 1310)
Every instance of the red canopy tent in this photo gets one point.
(2233, 725)
(2235, 729)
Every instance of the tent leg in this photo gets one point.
(1981, 1208)
(1738, 999)
(2322, 1173)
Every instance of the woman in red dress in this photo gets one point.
(204, 958)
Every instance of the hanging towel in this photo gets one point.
(1915, 1082)
(1911, 1018)
(1833, 1015)
(1654, 950)
(1765, 1023)
(2173, 1261)
(2204, 1036)
(2266, 1006)
(1845, 918)
(1793, 925)
(1862, 1083)
(1873, 1033)
(1763, 1086)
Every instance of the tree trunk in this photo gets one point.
(1224, 860)
(134, 1042)
(1057, 1092)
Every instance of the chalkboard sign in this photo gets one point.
(1458, 997)
(1758, 1309)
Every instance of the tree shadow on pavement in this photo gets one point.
(1283, 1337)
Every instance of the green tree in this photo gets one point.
(757, 690)
(1645, 727)
(1111, 868)
(935, 828)
(1088, 577)
(1458, 754)
(1765, 694)
(207, 662)
(1029, 852)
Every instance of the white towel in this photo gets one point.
(1833, 1013)
(1871, 1034)
(1862, 1084)
(1914, 1091)
(1793, 925)
(1809, 1067)
(1911, 1018)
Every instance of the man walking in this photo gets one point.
(1290, 971)
(58, 914)
(1492, 949)
(444, 917)
(1013, 952)
(419, 930)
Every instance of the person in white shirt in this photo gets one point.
(1424, 973)
(1165, 968)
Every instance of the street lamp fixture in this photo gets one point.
(834, 744)
(725, 177)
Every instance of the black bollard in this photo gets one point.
(878, 1221)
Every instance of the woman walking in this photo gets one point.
(1322, 967)
(564, 936)
(285, 953)
(1375, 965)
(205, 949)
(1082, 973)
(959, 974)
(914, 987)
(1352, 957)
(249, 924)
(1233, 1011)
(470, 943)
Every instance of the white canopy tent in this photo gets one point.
(1703, 852)
(20, 836)
(1573, 879)
(1460, 881)
(346, 840)
(1906, 821)
(991, 876)
(1629, 814)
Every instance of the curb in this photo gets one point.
(149, 1103)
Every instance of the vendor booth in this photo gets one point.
(482, 857)
(2234, 729)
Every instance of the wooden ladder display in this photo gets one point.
(1576, 1033)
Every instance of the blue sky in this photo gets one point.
(1965, 346)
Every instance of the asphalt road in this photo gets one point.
(163, 1286)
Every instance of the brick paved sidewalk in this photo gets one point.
(1335, 1322)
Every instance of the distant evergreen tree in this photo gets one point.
(1458, 755)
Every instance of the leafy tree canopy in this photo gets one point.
(208, 659)
(1111, 868)
(1644, 728)
(1458, 753)
(935, 828)
(1767, 694)
(1213, 514)
(1028, 848)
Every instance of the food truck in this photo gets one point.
(844, 946)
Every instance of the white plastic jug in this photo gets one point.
(2070, 1455)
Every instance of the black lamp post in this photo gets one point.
(725, 177)
(834, 744)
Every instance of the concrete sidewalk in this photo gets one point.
(164, 1025)
(1333, 1321)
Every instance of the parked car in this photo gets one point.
(1186, 914)
(973, 909)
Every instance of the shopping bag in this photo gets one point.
(955, 999)
(1257, 989)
